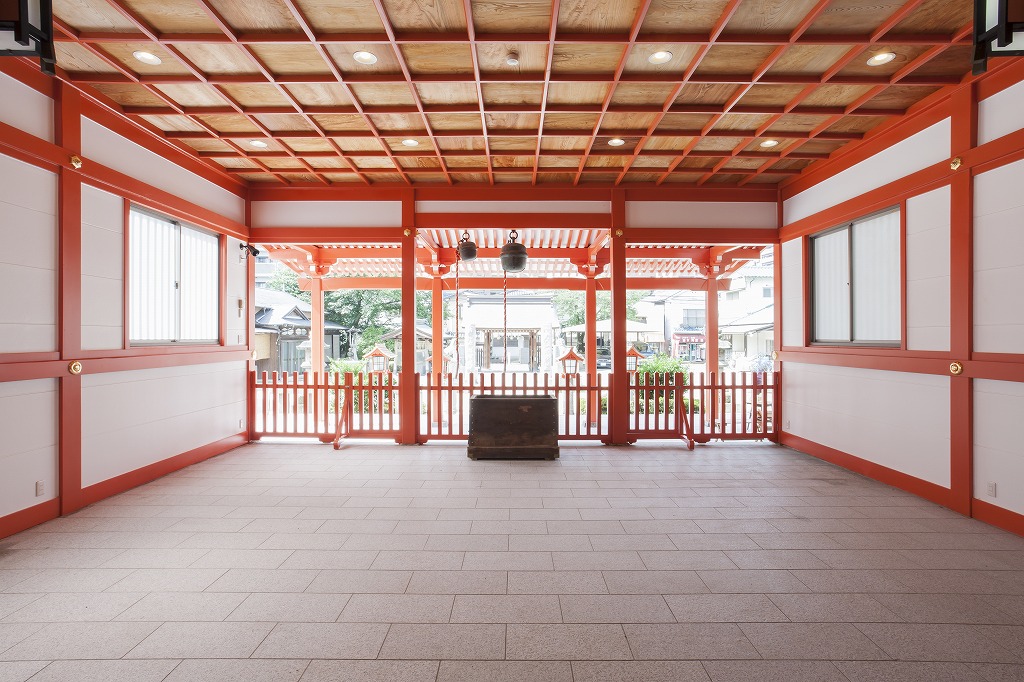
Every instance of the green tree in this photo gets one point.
(570, 306)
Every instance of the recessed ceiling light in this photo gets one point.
(770, 143)
(512, 59)
(660, 57)
(881, 58)
(616, 142)
(411, 143)
(259, 144)
(147, 57)
(364, 57)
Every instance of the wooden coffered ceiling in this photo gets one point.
(282, 72)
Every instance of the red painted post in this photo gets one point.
(407, 416)
(618, 407)
(590, 349)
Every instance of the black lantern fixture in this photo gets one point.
(998, 31)
(513, 254)
(467, 248)
(26, 30)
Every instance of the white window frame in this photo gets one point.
(850, 230)
(181, 230)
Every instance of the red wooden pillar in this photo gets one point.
(437, 340)
(590, 347)
(67, 111)
(316, 326)
(712, 322)
(961, 345)
(618, 403)
(408, 408)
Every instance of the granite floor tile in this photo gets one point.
(79, 641)
(904, 671)
(323, 641)
(567, 642)
(202, 640)
(686, 641)
(638, 671)
(371, 671)
(504, 671)
(515, 608)
(775, 671)
(289, 607)
(724, 608)
(810, 641)
(448, 642)
(397, 608)
(582, 608)
(107, 671)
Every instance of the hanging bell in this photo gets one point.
(513, 254)
(467, 249)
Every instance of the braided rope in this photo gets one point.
(458, 340)
(504, 309)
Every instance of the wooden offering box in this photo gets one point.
(513, 427)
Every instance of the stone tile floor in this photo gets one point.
(286, 561)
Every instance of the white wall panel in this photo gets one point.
(327, 214)
(928, 282)
(107, 147)
(238, 290)
(698, 214)
(133, 419)
(895, 419)
(513, 207)
(1000, 115)
(25, 108)
(28, 266)
(102, 270)
(930, 146)
(28, 449)
(792, 293)
(998, 454)
(999, 260)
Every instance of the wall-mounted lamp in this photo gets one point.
(998, 31)
(26, 30)
(253, 251)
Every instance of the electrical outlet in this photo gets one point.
(241, 423)
(787, 425)
(40, 489)
(991, 489)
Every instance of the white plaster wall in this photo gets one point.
(699, 214)
(928, 281)
(28, 448)
(133, 419)
(110, 149)
(998, 453)
(999, 260)
(923, 149)
(28, 263)
(238, 291)
(513, 207)
(792, 293)
(102, 270)
(326, 214)
(1000, 114)
(25, 109)
(895, 419)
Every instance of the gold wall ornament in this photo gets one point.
(75, 367)
(955, 368)
(775, 355)
(955, 163)
(618, 233)
(76, 162)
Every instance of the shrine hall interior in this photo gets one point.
(631, 144)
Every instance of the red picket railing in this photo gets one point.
(582, 402)
(694, 407)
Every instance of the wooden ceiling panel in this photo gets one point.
(438, 58)
(596, 16)
(854, 16)
(769, 16)
(284, 72)
(428, 16)
(198, 95)
(218, 58)
(173, 16)
(372, 162)
(341, 16)
(256, 16)
(447, 93)
(282, 59)
(91, 15)
(75, 58)
(533, 57)
(642, 94)
(500, 16)
(937, 16)
(733, 59)
(578, 93)
(808, 59)
(320, 94)
(586, 57)
(513, 94)
(683, 16)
